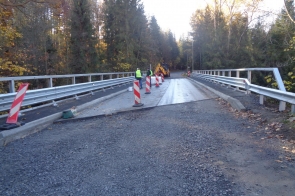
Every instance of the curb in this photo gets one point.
(37, 125)
(102, 115)
(235, 103)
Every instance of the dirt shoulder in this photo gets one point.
(261, 158)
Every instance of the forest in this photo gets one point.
(55, 37)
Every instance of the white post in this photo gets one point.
(238, 76)
(282, 106)
(261, 99)
(249, 79)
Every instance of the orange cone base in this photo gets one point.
(138, 105)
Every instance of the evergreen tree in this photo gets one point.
(156, 37)
(125, 34)
(84, 57)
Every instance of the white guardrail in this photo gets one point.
(224, 76)
(51, 93)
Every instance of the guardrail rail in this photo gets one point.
(223, 76)
(51, 93)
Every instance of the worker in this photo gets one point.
(149, 73)
(138, 77)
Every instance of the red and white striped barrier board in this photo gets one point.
(15, 107)
(157, 81)
(162, 77)
(148, 85)
(136, 91)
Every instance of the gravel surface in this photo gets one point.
(165, 151)
(197, 148)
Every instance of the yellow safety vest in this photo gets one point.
(138, 74)
(151, 72)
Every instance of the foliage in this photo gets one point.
(289, 81)
(84, 57)
(40, 37)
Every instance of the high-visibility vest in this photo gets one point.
(151, 72)
(138, 74)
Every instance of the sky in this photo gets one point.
(175, 14)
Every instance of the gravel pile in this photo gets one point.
(169, 150)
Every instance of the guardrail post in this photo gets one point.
(249, 79)
(49, 82)
(11, 86)
(118, 75)
(279, 79)
(261, 99)
(223, 73)
(292, 109)
(238, 76)
(282, 106)
(101, 77)
(73, 80)
(89, 78)
(229, 75)
(111, 77)
(281, 86)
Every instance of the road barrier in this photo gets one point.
(148, 85)
(11, 121)
(219, 76)
(47, 95)
(16, 104)
(136, 91)
(162, 76)
(157, 81)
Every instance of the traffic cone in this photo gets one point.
(162, 77)
(11, 121)
(136, 91)
(147, 85)
(157, 81)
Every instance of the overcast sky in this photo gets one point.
(175, 14)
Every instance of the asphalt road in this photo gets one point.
(182, 90)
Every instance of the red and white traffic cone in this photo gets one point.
(136, 91)
(11, 121)
(162, 77)
(147, 85)
(157, 81)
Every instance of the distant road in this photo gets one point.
(182, 90)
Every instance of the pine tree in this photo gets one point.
(125, 34)
(156, 37)
(84, 57)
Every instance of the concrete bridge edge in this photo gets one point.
(235, 103)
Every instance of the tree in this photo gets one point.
(156, 37)
(84, 57)
(9, 66)
(125, 33)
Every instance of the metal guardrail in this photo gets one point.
(49, 78)
(245, 83)
(54, 93)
